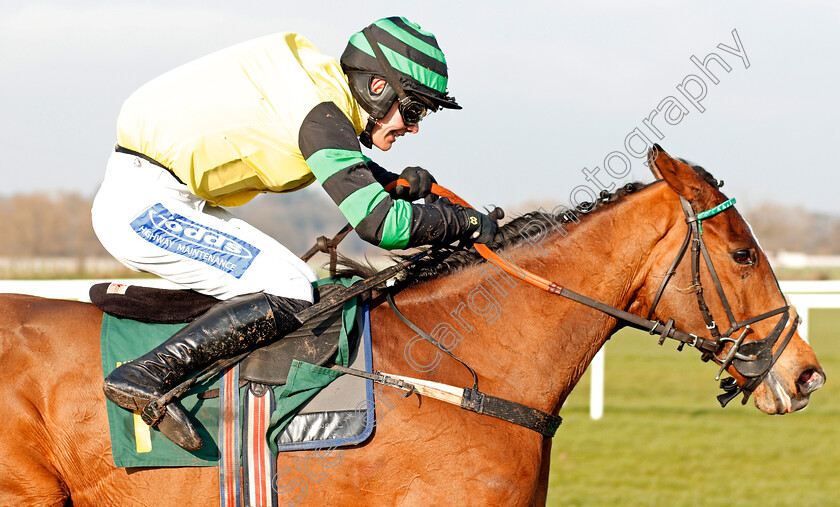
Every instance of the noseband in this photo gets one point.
(751, 359)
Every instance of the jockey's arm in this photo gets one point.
(330, 147)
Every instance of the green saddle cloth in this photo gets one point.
(134, 444)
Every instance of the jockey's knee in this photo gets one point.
(299, 289)
(285, 308)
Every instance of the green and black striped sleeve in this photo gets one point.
(329, 144)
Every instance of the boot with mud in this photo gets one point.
(231, 327)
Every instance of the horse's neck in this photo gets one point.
(526, 344)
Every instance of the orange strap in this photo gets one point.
(485, 252)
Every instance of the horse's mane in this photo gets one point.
(444, 260)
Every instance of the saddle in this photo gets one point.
(315, 342)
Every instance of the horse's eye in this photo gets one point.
(744, 256)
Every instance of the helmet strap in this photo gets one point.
(389, 72)
(366, 137)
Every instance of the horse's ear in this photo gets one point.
(680, 176)
(651, 161)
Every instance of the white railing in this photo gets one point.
(73, 289)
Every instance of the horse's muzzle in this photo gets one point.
(809, 381)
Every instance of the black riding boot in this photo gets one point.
(227, 329)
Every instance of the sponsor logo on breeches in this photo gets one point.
(180, 235)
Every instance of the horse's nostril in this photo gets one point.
(809, 381)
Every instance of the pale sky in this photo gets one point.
(548, 88)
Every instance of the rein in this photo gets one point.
(752, 360)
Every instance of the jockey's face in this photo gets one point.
(391, 126)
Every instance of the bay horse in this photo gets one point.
(526, 345)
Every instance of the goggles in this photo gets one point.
(413, 109)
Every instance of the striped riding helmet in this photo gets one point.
(410, 51)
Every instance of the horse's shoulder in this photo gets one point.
(21, 311)
(52, 402)
(24, 302)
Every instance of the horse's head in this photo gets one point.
(724, 289)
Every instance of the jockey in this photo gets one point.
(268, 115)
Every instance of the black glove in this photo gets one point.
(481, 228)
(420, 182)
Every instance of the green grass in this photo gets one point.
(664, 440)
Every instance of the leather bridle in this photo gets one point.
(751, 359)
